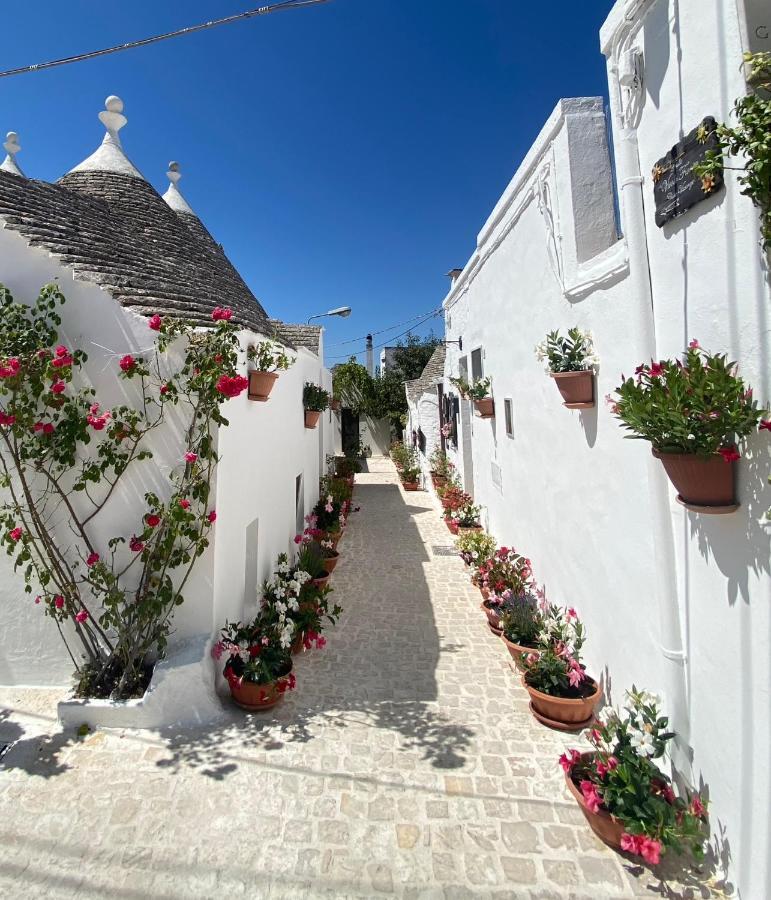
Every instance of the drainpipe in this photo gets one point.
(674, 685)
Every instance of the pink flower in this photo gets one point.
(152, 520)
(571, 613)
(164, 389)
(221, 314)
(184, 504)
(212, 517)
(591, 795)
(62, 360)
(576, 674)
(656, 370)
(232, 387)
(10, 368)
(58, 387)
(128, 363)
(765, 425)
(570, 759)
(96, 420)
(92, 560)
(697, 807)
(43, 428)
(155, 322)
(6, 418)
(650, 850)
(217, 650)
(135, 544)
(58, 601)
(694, 344)
(630, 843)
(329, 508)
(321, 642)
(298, 539)
(81, 615)
(15, 534)
(612, 763)
(191, 457)
(729, 454)
(531, 659)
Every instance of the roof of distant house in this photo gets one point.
(103, 220)
(308, 336)
(432, 374)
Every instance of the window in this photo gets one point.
(477, 371)
(508, 410)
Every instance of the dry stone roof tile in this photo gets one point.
(432, 373)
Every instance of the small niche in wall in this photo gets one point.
(508, 412)
(299, 504)
(251, 563)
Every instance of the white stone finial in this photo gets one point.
(12, 147)
(173, 196)
(109, 157)
(112, 118)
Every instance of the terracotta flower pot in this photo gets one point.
(297, 643)
(333, 537)
(493, 616)
(485, 407)
(603, 824)
(312, 418)
(320, 582)
(410, 485)
(330, 562)
(577, 388)
(516, 651)
(255, 697)
(261, 384)
(468, 529)
(438, 480)
(451, 526)
(565, 713)
(705, 484)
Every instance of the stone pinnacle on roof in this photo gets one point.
(12, 147)
(109, 156)
(173, 195)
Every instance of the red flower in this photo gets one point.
(128, 363)
(135, 544)
(694, 344)
(568, 761)
(212, 517)
(10, 368)
(81, 616)
(92, 560)
(650, 850)
(729, 454)
(191, 457)
(6, 418)
(232, 387)
(155, 322)
(656, 370)
(765, 425)
(221, 314)
(58, 601)
(591, 795)
(44, 427)
(164, 388)
(185, 504)
(58, 387)
(15, 534)
(697, 807)
(62, 360)
(152, 520)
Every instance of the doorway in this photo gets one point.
(349, 432)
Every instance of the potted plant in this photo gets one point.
(347, 467)
(696, 413)
(505, 575)
(571, 361)
(475, 548)
(269, 358)
(409, 474)
(400, 454)
(440, 467)
(453, 497)
(479, 393)
(315, 401)
(327, 516)
(466, 518)
(628, 801)
(520, 622)
(258, 667)
(562, 695)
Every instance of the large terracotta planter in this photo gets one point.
(410, 485)
(516, 651)
(312, 418)
(703, 484)
(493, 616)
(438, 480)
(261, 384)
(603, 824)
(577, 388)
(485, 408)
(564, 713)
(330, 562)
(256, 697)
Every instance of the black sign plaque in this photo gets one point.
(675, 186)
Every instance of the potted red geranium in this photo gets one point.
(696, 413)
(628, 801)
(571, 362)
(269, 358)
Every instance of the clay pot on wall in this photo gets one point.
(485, 408)
(261, 384)
(565, 713)
(577, 388)
(704, 484)
(603, 824)
(312, 418)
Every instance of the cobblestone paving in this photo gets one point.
(406, 763)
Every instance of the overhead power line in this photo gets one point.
(384, 330)
(144, 42)
(425, 319)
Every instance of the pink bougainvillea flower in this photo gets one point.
(152, 520)
(765, 425)
(571, 613)
(10, 368)
(135, 544)
(729, 454)
(191, 457)
(96, 419)
(16, 533)
(232, 386)
(694, 344)
(128, 363)
(81, 615)
(154, 322)
(221, 314)
(184, 504)
(58, 601)
(591, 795)
(92, 560)
(58, 387)
(212, 517)
(61, 351)
(6, 418)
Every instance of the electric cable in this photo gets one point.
(384, 330)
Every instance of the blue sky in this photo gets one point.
(343, 155)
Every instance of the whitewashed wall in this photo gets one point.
(262, 451)
(672, 600)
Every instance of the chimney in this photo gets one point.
(370, 360)
(453, 275)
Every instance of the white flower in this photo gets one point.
(606, 715)
(691, 437)
(280, 607)
(286, 635)
(642, 742)
(293, 604)
(272, 582)
(302, 576)
(279, 592)
(283, 568)
(294, 586)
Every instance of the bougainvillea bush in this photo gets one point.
(63, 455)
(621, 777)
(695, 405)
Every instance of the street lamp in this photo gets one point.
(342, 311)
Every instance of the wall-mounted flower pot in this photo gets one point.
(312, 418)
(261, 384)
(485, 408)
(565, 713)
(603, 824)
(704, 484)
(577, 388)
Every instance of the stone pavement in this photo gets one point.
(405, 763)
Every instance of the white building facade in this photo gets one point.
(674, 601)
